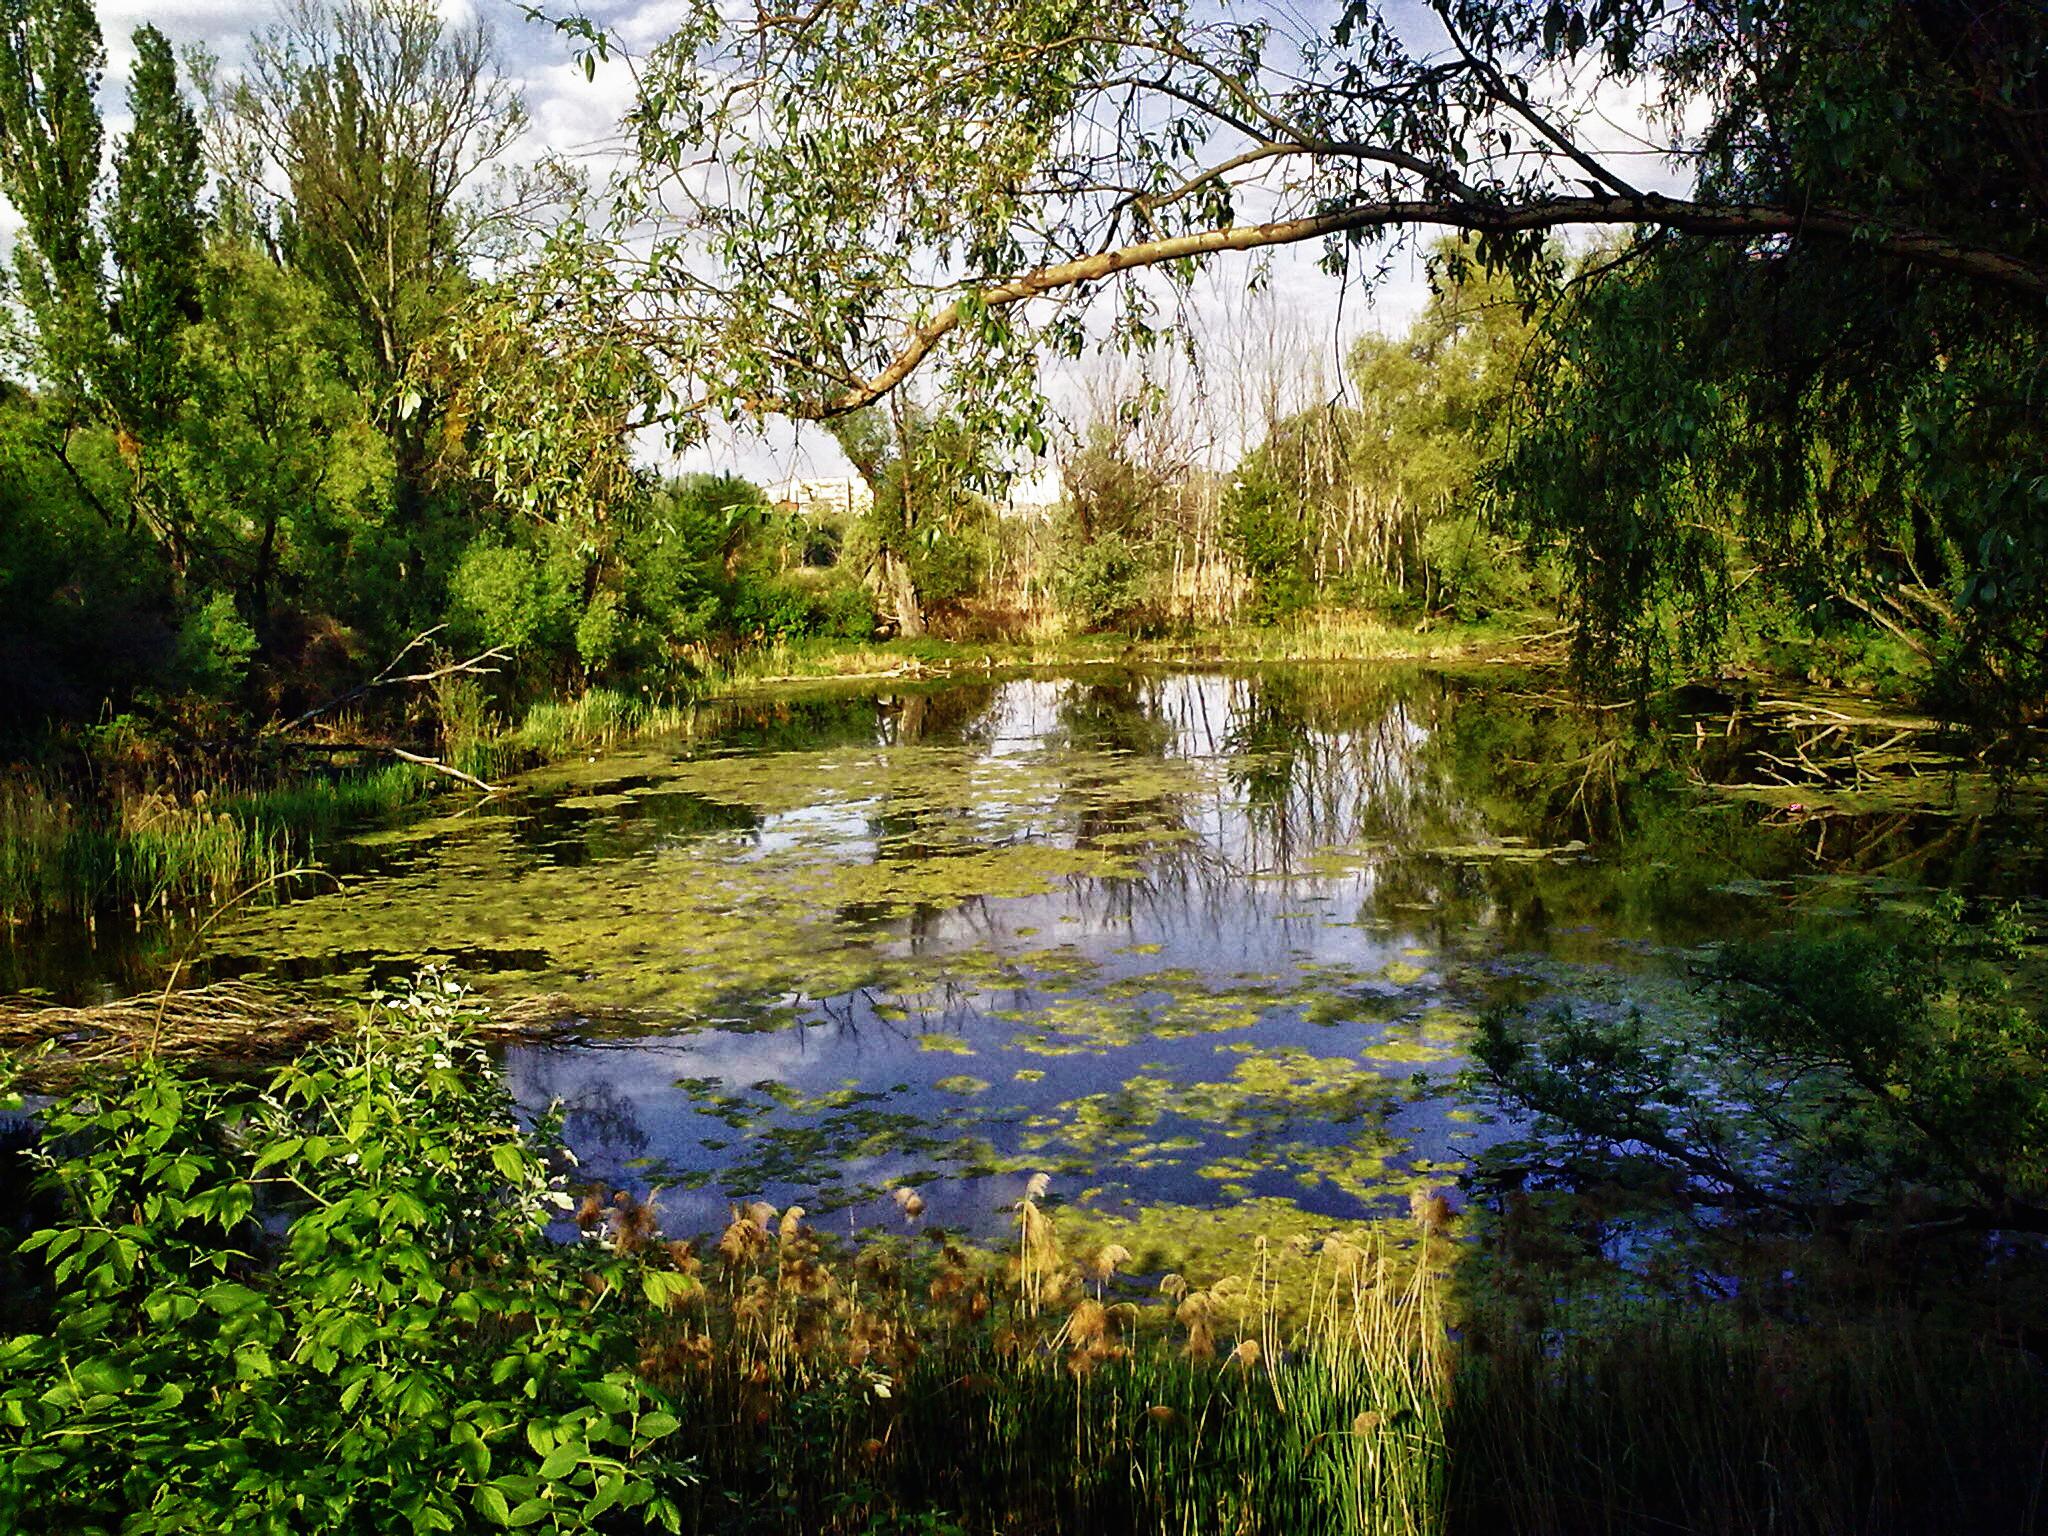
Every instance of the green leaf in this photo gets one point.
(492, 1506)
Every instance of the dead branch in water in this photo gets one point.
(389, 677)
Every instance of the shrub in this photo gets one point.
(502, 595)
(410, 1353)
(213, 647)
(846, 611)
(1104, 584)
(1475, 573)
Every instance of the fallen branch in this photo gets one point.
(438, 766)
(389, 678)
(231, 1022)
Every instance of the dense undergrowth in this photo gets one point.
(132, 844)
(363, 1298)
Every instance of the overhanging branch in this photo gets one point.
(1997, 269)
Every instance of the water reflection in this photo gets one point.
(1193, 941)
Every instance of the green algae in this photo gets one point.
(893, 890)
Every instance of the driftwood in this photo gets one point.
(390, 677)
(230, 1023)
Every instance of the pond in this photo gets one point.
(1205, 947)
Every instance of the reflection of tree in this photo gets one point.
(599, 1119)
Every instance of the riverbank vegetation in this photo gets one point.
(328, 399)
(347, 1294)
(241, 468)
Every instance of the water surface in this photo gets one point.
(1206, 947)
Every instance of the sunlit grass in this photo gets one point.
(149, 853)
(1040, 1389)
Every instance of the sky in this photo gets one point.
(579, 117)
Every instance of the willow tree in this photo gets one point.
(833, 196)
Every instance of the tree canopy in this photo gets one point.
(849, 192)
(1806, 343)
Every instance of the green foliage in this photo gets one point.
(1263, 522)
(1473, 573)
(503, 595)
(1105, 583)
(50, 136)
(214, 646)
(411, 1349)
(1852, 1074)
(154, 233)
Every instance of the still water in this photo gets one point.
(1207, 948)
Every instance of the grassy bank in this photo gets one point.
(1317, 637)
(134, 852)
(140, 852)
(399, 1342)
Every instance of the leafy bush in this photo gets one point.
(411, 1352)
(1475, 573)
(1104, 584)
(846, 611)
(947, 563)
(503, 595)
(1263, 528)
(213, 647)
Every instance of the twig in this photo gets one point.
(438, 766)
(473, 666)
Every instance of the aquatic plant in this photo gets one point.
(329, 1304)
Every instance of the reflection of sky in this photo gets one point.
(1238, 904)
(1252, 908)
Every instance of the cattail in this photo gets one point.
(910, 1203)
(1246, 1355)
(761, 1214)
(1432, 1212)
(1159, 1413)
(1104, 1264)
(1040, 1183)
(792, 1220)
(1088, 1322)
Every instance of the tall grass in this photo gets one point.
(62, 856)
(551, 730)
(921, 1381)
(148, 852)
(918, 1385)
(1650, 1418)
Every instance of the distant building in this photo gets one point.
(847, 496)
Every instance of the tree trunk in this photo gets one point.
(901, 593)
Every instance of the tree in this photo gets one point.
(155, 231)
(105, 346)
(370, 128)
(964, 167)
(921, 468)
(870, 192)
(50, 136)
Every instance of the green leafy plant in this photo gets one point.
(329, 1307)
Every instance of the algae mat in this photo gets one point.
(1207, 948)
